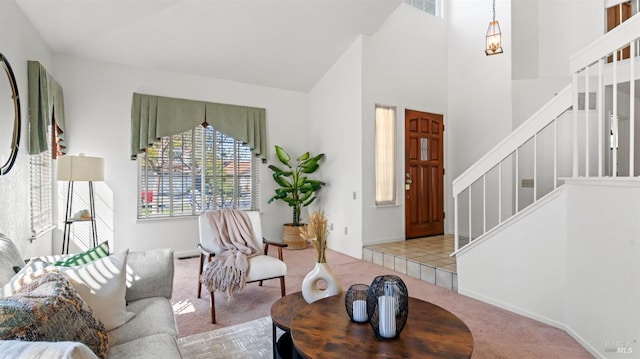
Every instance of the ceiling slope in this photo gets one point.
(288, 44)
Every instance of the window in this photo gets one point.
(385, 155)
(41, 180)
(196, 171)
(428, 6)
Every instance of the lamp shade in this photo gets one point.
(80, 168)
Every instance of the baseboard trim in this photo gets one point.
(562, 326)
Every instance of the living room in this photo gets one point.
(407, 59)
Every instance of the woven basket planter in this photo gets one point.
(291, 236)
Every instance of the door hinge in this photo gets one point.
(443, 171)
(444, 215)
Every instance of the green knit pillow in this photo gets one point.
(101, 251)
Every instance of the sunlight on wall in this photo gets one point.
(81, 232)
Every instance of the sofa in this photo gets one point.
(148, 332)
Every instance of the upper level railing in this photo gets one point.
(595, 140)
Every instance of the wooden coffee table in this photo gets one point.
(323, 330)
(282, 312)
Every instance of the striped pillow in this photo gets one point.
(101, 251)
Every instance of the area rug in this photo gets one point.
(247, 340)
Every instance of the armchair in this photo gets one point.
(261, 267)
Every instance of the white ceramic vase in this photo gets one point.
(310, 290)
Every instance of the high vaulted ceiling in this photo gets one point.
(288, 44)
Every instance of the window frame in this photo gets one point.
(422, 6)
(391, 158)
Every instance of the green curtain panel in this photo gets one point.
(46, 107)
(153, 117)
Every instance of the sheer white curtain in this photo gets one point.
(385, 155)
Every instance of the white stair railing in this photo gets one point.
(575, 134)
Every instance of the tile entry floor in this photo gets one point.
(423, 258)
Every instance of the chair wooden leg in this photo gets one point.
(282, 288)
(213, 309)
(199, 273)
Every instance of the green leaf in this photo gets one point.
(301, 181)
(316, 183)
(283, 156)
(283, 192)
(310, 167)
(309, 201)
(281, 181)
(276, 169)
(306, 196)
(290, 202)
(303, 157)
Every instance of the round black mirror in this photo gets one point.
(9, 118)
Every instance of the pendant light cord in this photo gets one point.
(494, 10)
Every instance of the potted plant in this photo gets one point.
(296, 189)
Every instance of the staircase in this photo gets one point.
(572, 136)
(546, 223)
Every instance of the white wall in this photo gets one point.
(545, 36)
(578, 272)
(400, 65)
(521, 267)
(335, 122)
(404, 66)
(565, 27)
(20, 43)
(98, 108)
(603, 274)
(524, 16)
(479, 93)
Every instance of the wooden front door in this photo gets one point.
(424, 174)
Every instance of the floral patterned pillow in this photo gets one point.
(49, 309)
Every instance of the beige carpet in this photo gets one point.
(497, 333)
(247, 340)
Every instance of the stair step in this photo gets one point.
(426, 259)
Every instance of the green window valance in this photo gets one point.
(46, 107)
(153, 117)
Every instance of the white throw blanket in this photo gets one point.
(226, 272)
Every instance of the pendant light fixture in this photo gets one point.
(494, 36)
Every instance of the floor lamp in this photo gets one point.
(73, 169)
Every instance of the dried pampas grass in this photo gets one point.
(316, 233)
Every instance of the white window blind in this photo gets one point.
(385, 155)
(41, 183)
(196, 171)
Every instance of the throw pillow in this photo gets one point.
(102, 284)
(101, 251)
(28, 273)
(49, 309)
